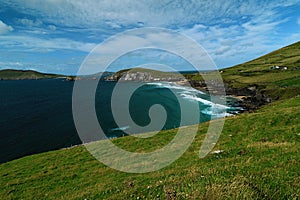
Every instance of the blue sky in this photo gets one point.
(56, 35)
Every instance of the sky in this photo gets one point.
(55, 36)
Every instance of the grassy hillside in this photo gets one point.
(260, 160)
(10, 74)
(277, 83)
(287, 56)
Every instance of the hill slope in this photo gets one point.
(287, 56)
(10, 74)
(260, 161)
(276, 74)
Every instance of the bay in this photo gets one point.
(36, 115)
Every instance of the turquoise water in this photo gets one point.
(36, 115)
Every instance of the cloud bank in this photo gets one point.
(5, 28)
(231, 31)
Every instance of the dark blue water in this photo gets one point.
(36, 115)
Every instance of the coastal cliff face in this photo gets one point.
(144, 76)
(250, 97)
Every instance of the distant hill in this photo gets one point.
(11, 74)
(143, 74)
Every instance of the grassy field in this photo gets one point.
(260, 160)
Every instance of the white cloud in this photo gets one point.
(240, 42)
(94, 13)
(34, 25)
(221, 50)
(28, 43)
(52, 27)
(5, 28)
(29, 22)
(12, 64)
(298, 21)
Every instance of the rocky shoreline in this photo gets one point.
(250, 98)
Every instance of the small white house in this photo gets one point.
(278, 67)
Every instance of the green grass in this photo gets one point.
(260, 160)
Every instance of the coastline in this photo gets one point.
(249, 98)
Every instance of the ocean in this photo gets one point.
(36, 115)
